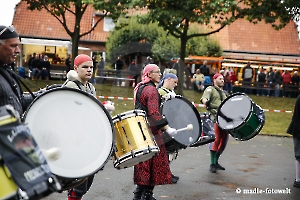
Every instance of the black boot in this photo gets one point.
(138, 192)
(148, 193)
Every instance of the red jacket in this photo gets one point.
(286, 77)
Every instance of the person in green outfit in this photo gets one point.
(212, 99)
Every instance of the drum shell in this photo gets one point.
(7, 184)
(134, 142)
(67, 115)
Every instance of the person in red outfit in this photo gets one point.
(155, 171)
(286, 80)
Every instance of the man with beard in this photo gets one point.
(212, 99)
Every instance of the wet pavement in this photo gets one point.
(260, 168)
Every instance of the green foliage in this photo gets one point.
(162, 45)
(132, 39)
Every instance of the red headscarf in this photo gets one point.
(217, 75)
(81, 59)
(145, 78)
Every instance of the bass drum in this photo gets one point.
(208, 132)
(180, 112)
(79, 126)
(240, 116)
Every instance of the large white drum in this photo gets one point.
(76, 123)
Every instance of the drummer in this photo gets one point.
(10, 89)
(212, 98)
(155, 171)
(83, 65)
(166, 91)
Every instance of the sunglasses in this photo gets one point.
(10, 28)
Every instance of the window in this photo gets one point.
(108, 24)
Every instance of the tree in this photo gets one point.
(177, 16)
(60, 9)
(150, 39)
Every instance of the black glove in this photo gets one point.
(207, 103)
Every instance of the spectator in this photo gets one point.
(101, 65)
(148, 61)
(286, 81)
(227, 80)
(94, 58)
(44, 69)
(198, 80)
(278, 82)
(176, 65)
(270, 78)
(204, 69)
(68, 62)
(247, 75)
(295, 82)
(118, 67)
(261, 79)
(35, 67)
(134, 73)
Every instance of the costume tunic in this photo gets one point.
(155, 171)
(212, 94)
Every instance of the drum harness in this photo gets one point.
(221, 97)
(81, 86)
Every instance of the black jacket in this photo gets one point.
(10, 90)
(294, 127)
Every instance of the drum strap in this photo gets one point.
(138, 104)
(80, 86)
(220, 93)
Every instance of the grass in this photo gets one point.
(276, 123)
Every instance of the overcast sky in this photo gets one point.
(7, 12)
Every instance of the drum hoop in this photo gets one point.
(193, 108)
(245, 120)
(93, 98)
(128, 114)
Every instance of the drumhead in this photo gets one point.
(76, 123)
(180, 112)
(236, 108)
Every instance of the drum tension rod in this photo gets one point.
(139, 123)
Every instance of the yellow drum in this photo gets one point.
(134, 142)
(7, 184)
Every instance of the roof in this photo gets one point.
(41, 24)
(246, 37)
(240, 36)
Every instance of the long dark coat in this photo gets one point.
(155, 171)
(294, 127)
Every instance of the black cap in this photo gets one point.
(7, 32)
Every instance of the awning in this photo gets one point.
(45, 42)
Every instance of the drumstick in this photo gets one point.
(189, 127)
(52, 154)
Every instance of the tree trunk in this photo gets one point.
(181, 66)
